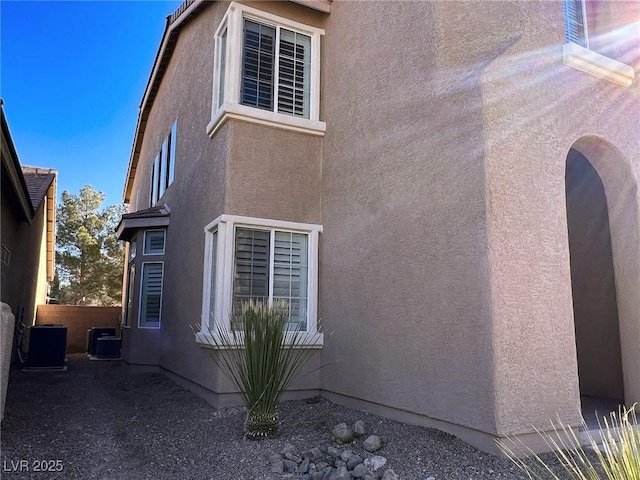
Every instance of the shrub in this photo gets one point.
(615, 457)
(261, 358)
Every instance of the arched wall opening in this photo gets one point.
(595, 308)
(602, 221)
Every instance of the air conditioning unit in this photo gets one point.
(94, 334)
(47, 346)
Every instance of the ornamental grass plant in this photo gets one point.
(615, 451)
(261, 358)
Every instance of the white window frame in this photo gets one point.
(582, 58)
(231, 106)
(132, 248)
(225, 227)
(144, 242)
(140, 302)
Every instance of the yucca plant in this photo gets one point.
(261, 358)
(615, 457)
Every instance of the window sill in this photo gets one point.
(596, 64)
(264, 117)
(209, 340)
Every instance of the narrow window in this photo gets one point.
(575, 25)
(151, 295)
(212, 289)
(130, 294)
(222, 62)
(154, 180)
(173, 138)
(154, 242)
(164, 173)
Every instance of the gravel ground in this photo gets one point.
(102, 421)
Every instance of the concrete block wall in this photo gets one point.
(79, 319)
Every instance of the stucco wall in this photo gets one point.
(534, 110)
(24, 281)
(440, 184)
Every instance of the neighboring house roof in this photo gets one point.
(38, 181)
(13, 182)
(188, 10)
(153, 217)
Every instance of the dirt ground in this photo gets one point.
(100, 420)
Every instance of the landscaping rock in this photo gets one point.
(313, 454)
(340, 474)
(354, 461)
(277, 466)
(375, 463)
(389, 475)
(334, 452)
(290, 466)
(342, 433)
(359, 428)
(359, 471)
(372, 443)
(288, 448)
(304, 466)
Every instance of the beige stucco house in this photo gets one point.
(448, 188)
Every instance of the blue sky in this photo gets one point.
(72, 76)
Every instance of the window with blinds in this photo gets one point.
(275, 79)
(151, 295)
(575, 26)
(272, 266)
(154, 242)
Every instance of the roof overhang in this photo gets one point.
(131, 223)
(13, 170)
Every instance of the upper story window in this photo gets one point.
(577, 52)
(154, 242)
(163, 171)
(264, 260)
(267, 70)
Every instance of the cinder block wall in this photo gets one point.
(79, 319)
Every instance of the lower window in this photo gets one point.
(271, 261)
(151, 295)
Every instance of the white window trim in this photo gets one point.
(144, 242)
(596, 64)
(140, 312)
(586, 60)
(225, 226)
(231, 107)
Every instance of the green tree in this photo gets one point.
(89, 257)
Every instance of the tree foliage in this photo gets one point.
(89, 257)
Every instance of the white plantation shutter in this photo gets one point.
(251, 270)
(258, 64)
(294, 71)
(271, 265)
(575, 30)
(151, 297)
(290, 273)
